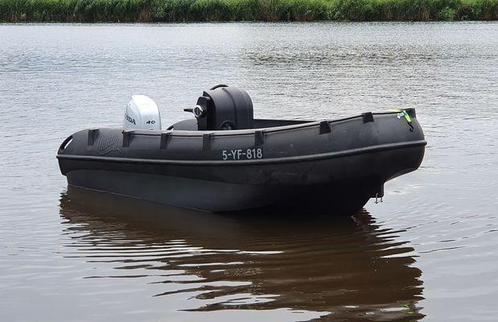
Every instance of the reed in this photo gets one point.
(244, 10)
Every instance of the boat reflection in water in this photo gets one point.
(341, 267)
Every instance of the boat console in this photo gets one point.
(223, 108)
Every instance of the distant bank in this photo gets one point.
(244, 10)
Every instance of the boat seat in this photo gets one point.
(185, 125)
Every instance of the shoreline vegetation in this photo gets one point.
(245, 10)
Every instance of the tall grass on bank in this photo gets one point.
(244, 10)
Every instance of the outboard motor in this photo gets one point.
(224, 108)
(142, 113)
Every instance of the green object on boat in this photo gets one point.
(403, 113)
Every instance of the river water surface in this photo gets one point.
(429, 251)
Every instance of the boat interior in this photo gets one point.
(191, 124)
(226, 108)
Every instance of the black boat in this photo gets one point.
(225, 160)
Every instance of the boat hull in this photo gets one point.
(341, 179)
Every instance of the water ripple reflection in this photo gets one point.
(347, 268)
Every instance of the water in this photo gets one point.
(427, 252)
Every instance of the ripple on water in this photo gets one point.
(105, 263)
(330, 266)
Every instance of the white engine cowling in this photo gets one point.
(142, 113)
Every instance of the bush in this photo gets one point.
(245, 10)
